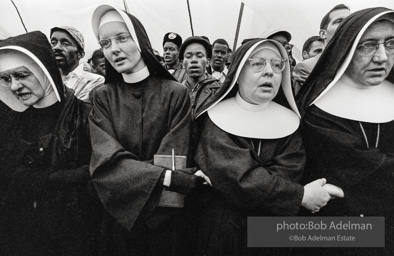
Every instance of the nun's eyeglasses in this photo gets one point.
(371, 47)
(106, 43)
(6, 80)
(258, 64)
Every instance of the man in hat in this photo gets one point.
(171, 44)
(284, 38)
(69, 48)
(196, 53)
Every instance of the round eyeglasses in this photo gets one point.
(258, 64)
(372, 46)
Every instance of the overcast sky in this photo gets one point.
(212, 18)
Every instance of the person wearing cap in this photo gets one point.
(195, 53)
(48, 203)
(250, 147)
(140, 112)
(69, 49)
(220, 50)
(284, 38)
(348, 108)
(171, 44)
(328, 26)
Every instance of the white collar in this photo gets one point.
(137, 76)
(224, 71)
(269, 121)
(286, 78)
(346, 99)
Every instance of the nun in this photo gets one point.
(251, 149)
(48, 204)
(347, 104)
(140, 112)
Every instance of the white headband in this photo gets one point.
(268, 46)
(110, 16)
(16, 57)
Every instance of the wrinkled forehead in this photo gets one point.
(12, 59)
(389, 17)
(381, 28)
(14, 70)
(386, 20)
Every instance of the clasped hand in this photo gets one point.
(184, 182)
(318, 193)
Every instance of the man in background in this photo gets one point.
(69, 48)
(313, 46)
(220, 49)
(284, 38)
(98, 62)
(171, 44)
(328, 26)
(195, 53)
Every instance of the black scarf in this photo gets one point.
(37, 43)
(334, 55)
(238, 55)
(154, 66)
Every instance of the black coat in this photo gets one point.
(338, 150)
(130, 123)
(245, 184)
(48, 203)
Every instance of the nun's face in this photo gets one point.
(123, 56)
(260, 87)
(24, 85)
(371, 69)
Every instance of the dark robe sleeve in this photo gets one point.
(246, 181)
(127, 186)
(336, 150)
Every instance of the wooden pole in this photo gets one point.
(190, 17)
(20, 17)
(241, 10)
(126, 7)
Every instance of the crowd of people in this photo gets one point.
(137, 154)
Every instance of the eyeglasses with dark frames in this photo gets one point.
(371, 47)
